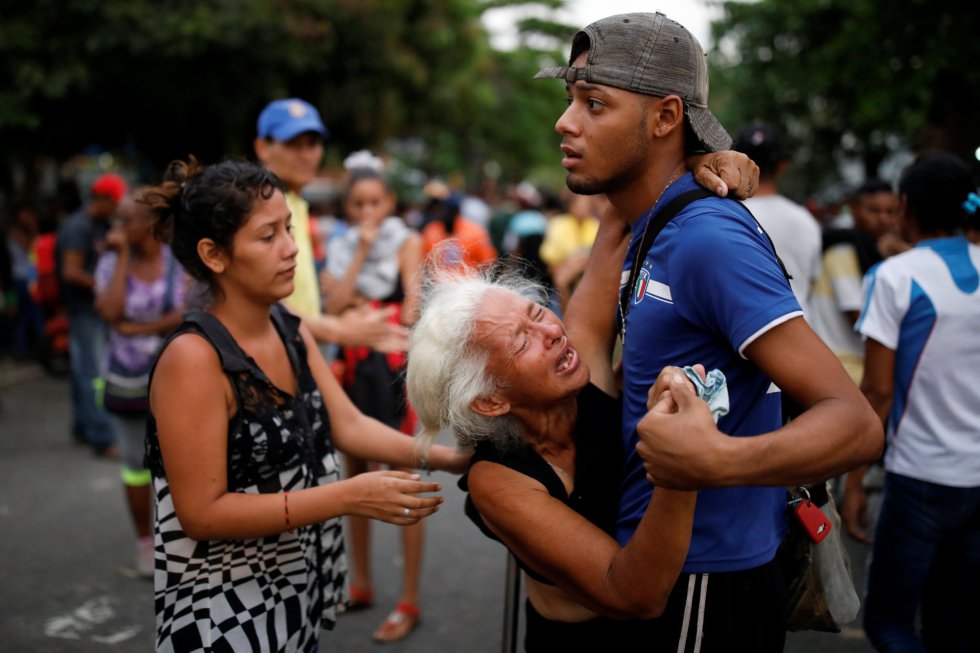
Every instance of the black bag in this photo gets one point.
(126, 391)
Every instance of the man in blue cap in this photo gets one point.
(289, 142)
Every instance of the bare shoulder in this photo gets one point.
(188, 349)
(188, 357)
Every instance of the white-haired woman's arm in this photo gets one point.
(634, 581)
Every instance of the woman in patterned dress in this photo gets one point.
(246, 420)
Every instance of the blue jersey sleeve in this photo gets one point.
(726, 274)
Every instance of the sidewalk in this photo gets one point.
(14, 373)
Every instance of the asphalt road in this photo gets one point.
(66, 571)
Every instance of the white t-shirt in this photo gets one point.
(796, 235)
(925, 305)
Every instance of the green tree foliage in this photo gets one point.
(158, 79)
(851, 78)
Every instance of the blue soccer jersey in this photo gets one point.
(708, 288)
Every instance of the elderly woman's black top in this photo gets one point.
(598, 466)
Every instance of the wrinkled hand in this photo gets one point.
(854, 513)
(385, 495)
(373, 328)
(679, 443)
(664, 380)
(727, 173)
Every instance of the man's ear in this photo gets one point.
(261, 146)
(211, 255)
(492, 405)
(670, 112)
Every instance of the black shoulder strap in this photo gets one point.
(286, 324)
(660, 220)
(231, 355)
(211, 328)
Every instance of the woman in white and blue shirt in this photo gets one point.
(922, 375)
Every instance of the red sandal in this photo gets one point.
(399, 623)
(359, 599)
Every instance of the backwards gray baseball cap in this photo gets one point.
(652, 55)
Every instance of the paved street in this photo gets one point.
(66, 550)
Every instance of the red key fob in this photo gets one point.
(812, 519)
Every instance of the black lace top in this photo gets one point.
(598, 467)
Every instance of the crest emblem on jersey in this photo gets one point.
(641, 285)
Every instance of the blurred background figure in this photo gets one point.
(289, 143)
(376, 261)
(46, 287)
(922, 357)
(466, 243)
(794, 231)
(27, 326)
(80, 242)
(848, 253)
(139, 292)
(568, 241)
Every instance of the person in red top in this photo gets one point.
(469, 243)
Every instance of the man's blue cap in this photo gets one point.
(282, 120)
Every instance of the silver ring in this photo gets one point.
(406, 512)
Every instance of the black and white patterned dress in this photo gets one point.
(272, 593)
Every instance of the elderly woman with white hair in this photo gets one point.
(490, 363)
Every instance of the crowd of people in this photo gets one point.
(575, 344)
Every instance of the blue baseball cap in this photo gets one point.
(282, 120)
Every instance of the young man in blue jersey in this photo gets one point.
(710, 290)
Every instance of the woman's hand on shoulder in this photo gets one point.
(391, 496)
(449, 459)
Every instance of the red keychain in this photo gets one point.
(811, 518)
